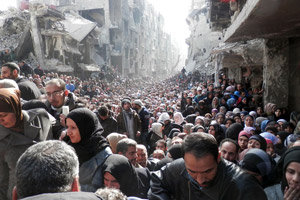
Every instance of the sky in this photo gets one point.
(7, 3)
(175, 13)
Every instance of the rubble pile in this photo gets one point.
(12, 25)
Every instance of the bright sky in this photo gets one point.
(175, 12)
(6, 4)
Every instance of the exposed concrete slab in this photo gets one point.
(276, 72)
(265, 19)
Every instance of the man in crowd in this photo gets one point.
(203, 174)
(142, 158)
(49, 170)
(229, 150)
(129, 122)
(108, 122)
(28, 89)
(144, 115)
(25, 68)
(127, 148)
(57, 97)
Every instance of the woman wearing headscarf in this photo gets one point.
(217, 131)
(156, 134)
(279, 147)
(178, 118)
(289, 170)
(270, 108)
(119, 173)
(84, 133)
(19, 129)
(261, 165)
(215, 103)
(175, 152)
(255, 141)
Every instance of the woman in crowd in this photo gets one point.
(19, 129)
(84, 135)
(289, 170)
(119, 173)
(243, 140)
(217, 131)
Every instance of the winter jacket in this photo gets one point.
(37, 128)
(109, 125)
(230, 183)
(136, 124)
(90, 172)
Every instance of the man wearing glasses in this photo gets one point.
(57, 97)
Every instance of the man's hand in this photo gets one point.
(62, 135)
(62, 119)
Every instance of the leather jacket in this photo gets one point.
(230, 183)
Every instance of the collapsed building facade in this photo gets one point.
(79, 37)
(260, 42)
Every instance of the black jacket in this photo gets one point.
(109, 125)
(144, 117)
(230, 183)
(28, 89)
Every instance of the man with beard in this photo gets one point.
(203, 174)
(28, 89)
(108, 122)
(129, 122)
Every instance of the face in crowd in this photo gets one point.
(55, 95)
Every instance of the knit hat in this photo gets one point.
(126, 100)
(236, 110)
(138, 102)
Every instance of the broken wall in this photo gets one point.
(294, 74)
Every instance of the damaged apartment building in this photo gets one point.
(259, 42)
(79, 37)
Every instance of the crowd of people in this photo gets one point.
(180, 138)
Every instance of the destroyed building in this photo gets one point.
(202, 39)
(79, 37)
(260, 42)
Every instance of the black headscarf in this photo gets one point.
(261, 140)
(176, 151)
(233, 131)
(123, 171)
(219, 132)
(291, 155)
(90, 129)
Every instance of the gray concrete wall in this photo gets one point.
(276, 72)
(294, 74)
